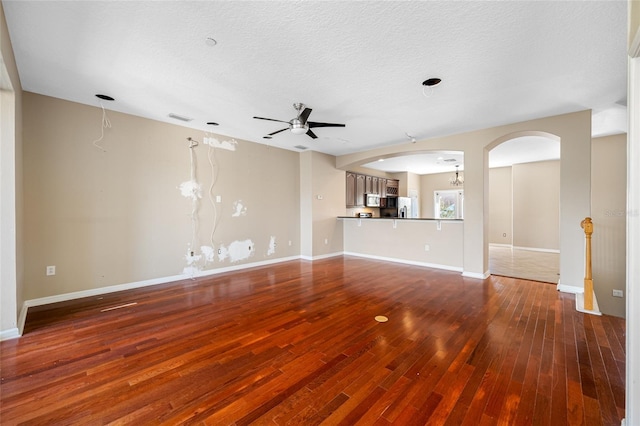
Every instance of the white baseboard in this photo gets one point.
(569, 289)
(536, 249)
(12, 333)
(322, 256)
(500, 245)
(404, 261)
(138, 284)
(476, 275)
(580, 305)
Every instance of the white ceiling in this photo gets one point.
(514, 151)
(360, 63)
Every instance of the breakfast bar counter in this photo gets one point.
(435, 243)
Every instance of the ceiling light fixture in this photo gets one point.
(298, 127)
(411, 138)
(428, 85)
(457, 181)
(211, 41)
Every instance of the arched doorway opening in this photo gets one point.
(524, 207)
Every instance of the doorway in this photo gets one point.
(524, 208)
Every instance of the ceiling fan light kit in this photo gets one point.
(300, 125)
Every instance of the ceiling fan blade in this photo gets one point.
(313, 124)
(278, 131)
(311, 134)
(270, 119)
(304, 115)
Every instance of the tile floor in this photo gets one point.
(526, 264)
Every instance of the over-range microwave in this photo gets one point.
(372, 200)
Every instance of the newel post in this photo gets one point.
(587, 225)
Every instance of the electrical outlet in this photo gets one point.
(218, 198)
(618, 293)
(426, 247)
(289, 243)
(326, 241)
(51, 270)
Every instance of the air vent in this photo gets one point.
(449, 160)
(301, 147)
(180, 117)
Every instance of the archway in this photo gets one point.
(524, 210)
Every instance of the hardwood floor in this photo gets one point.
(297, 343)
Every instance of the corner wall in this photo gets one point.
(11, 227)
(322, 200)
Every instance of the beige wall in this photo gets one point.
(634, 23)
(430, 183)
(500, 206)
(114, 217)
(574, 130)
(536, 199)
(328, 200)
(608, 212)
(11, 225)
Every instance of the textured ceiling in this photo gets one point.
(358, 63)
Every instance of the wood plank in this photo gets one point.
(296, 343)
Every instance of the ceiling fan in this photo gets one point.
(300, 125)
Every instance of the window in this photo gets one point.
(448, 204)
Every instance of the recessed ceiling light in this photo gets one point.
(105, 97)
(380, 159)
(266, 137)
(211, 41)
(301, 147)
(431, 82)
(212, 123)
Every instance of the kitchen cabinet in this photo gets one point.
(382, 187)
(360, 186)
(368, 184)
(392, 187)
(351, 189)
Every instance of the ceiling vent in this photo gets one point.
(180, 117)
(301, 147)
(450, 160)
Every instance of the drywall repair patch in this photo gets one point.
(272, 246)
(239, 209)
(215, 143)
(192, 271)
(191, 189)
(237, 251)
(192, 258)
(208, 253)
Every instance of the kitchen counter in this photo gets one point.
(400, 218)
(435, 243)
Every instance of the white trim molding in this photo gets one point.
(565, 288)
(477, 275)
(580, 305)
(12, 333)
(404, 261)
(537, 249)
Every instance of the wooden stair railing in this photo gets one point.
(587, 225)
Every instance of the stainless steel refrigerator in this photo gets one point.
(405, 208)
